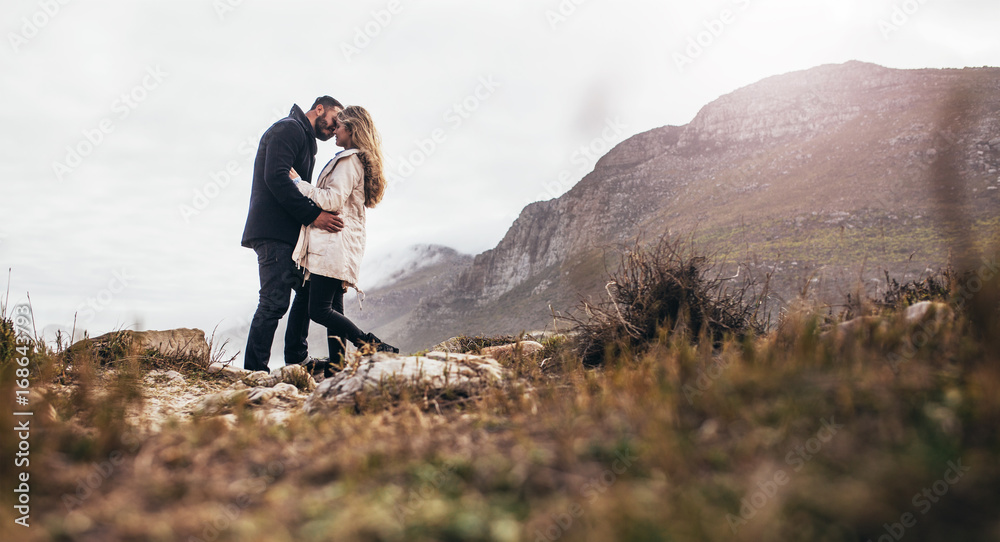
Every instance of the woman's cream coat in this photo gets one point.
(340, 187)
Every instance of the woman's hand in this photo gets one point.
(292, 174)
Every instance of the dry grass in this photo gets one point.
(812, 436)
(465, 344)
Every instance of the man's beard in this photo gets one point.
(323, 131)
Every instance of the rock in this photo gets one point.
(285, 390)
(428, 375)
(458, 344)
(995, 143)
(918, 312)
(176, 342)
(501, 352)
(295, 375)
(174, 375)
(189, 343)
(217, 402)
(229, 371)
(852, 326)
(446, 356)
(451, 345)
(257, 396)
(708, 431)
(507, 352)
(261, 379)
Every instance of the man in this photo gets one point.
(277, 212)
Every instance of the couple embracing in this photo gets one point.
(310, 238)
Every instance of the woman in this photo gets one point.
(350, 183)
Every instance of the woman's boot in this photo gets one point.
(377, 344)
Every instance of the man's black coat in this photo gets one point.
(277, 208)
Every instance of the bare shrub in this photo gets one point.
(667, 289)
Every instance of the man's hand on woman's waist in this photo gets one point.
(330, 222)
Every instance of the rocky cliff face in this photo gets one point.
(839, 147)
(605, 207)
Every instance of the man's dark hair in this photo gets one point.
(326, 101)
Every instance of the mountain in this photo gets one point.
(822, 177)
(402, 265)
(410, 282)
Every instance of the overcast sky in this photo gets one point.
(121, 118)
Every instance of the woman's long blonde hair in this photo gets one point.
(366, 138)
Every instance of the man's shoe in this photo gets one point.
(378, 345)
(316, 366)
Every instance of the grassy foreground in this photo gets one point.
(886, 432)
